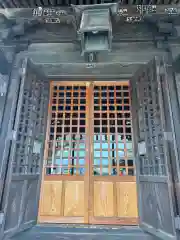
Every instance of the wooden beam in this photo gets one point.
(67, 53)
(98, 70)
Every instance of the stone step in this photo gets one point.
(82, 232)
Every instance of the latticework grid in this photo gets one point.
(29, 126)
(112, 142)
(67, 141)
(150, 125)
(68, 130)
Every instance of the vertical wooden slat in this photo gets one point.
(108, 133)
(101, 134)
(70, 134)
(117, 160)
(130, 105)
(91, 147)
(87, 160)
(46, 144)
(54, 139)
(78, 134)
(116, 130)
(124, 129)
(61, 154)
(62, 138)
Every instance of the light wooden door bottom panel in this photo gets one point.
(89, 170)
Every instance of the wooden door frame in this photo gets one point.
(88, 177)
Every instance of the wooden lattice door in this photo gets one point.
(89, 171)
(112, 175)
(64, 197)
(26, 149)
(152, 135)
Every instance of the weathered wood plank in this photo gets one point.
(99, 70)
(69, 52)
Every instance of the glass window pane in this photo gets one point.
(65, 154)
(122, 171)
(130, 154)
(105, 162)
(82, 153)
(130, 162)
(96, 154)
(65, 162)
(104, 153)
(104, 145)
(82, 146)
(105, 171)
(81, 171)
(121, 145)
(58, 161)
(121, 154)
(113, 171)
(96, 161)
(96, 171)
(129, 145)
(97, 145)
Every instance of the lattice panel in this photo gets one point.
(112, 140)
(30, 126)
(151, 125)
(67, 130)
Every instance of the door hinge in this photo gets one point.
(12, 135)
(177, 222)
(1, 218)
(160, 69)
(168, 136)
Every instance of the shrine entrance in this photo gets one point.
(92, 160)
(89, 168)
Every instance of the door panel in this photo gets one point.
(112, 175)
(152, 151)
(63, 195)
(20, 200)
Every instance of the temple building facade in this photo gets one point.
(90, 115)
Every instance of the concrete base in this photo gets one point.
(66, 232)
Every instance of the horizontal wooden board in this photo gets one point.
(54, 219)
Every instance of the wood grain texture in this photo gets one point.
(51, 199)
(74, 199)
(103, 199)
(88, 198)
(55, 219)
(114, 221)
(126, 199)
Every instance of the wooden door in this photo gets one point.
(64, 195)
(113, 197)
(153, 136)
(25, 158)
(89, 171)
